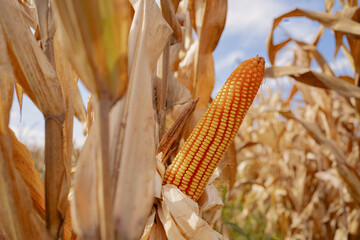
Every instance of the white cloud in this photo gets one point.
(285, 56)
(342, 66)
(253, 17)
(229, 60)
(301, 29)
(28, 135)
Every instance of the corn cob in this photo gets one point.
(197, 159)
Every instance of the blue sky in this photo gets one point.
(247, 27)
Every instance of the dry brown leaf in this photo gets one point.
(40, 82)
(68, 80)
(170, 142)
(79, 108)
(212, 25)
(95, 37)
(161, 86)
(18, 218)
(349, 175)
(209, 29)
(28, 11)
(130, 212)
(19, 94)
(329, 5)
(341, 25)
(177, 93)
(84, 213)
(315, 79)
(46, 28)
(351, 54)
(315, 54)
(24, 164)
(272, 48)
(6, 84)
(169, 13)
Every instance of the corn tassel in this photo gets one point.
(197, 159)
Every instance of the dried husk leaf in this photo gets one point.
(180, 217)
(149, 225)
(211, 197)
(228, 164)
(131, 211)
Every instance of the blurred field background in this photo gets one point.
(293, 170)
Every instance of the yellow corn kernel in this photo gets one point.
(221, 121)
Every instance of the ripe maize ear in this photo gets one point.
(197, 159)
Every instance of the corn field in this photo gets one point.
(162, 159)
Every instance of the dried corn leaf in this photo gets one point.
(46, 28)
(170, 142)
(347, 173)
(329, 5)
(6, 84)
(28, 12)
(169, 13)
(314, 79)
(19, 94)
(338, 24)
(343, 25)
(95, 35)
(18, 219)
(176, 93)
(315, 54)
(212, 25)
(131, 211)
(24, 164)
(79, 108)
(84, 211)
(39, 79)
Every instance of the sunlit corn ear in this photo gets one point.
(197, 159)
(96, 34)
